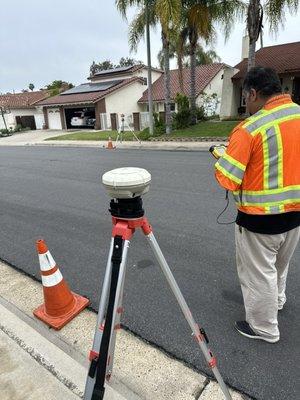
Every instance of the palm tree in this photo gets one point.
(275, 12)
(203, 57)
(167, 14)
(198, 22)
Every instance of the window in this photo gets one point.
(172, 106)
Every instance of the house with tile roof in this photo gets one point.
(21, 109)
(284, 58)
(110, 93)
(211, 80)
(100, 102)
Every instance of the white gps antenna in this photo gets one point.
(126, 183)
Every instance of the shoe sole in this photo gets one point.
(257, 337)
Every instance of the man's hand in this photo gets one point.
(218, 150)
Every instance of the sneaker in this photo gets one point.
(244, 329)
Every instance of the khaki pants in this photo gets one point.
(262, 264)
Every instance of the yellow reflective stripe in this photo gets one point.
(266, 159)
(280, 156)
(267, 112)
(234, 162)
(267, 192)
(255, 117)
(276, 121)
(287, 201)
(281, 208)
(228, 174)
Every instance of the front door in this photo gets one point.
(296, 90)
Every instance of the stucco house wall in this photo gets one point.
(125, 101)
(10, 118)
(230, 97)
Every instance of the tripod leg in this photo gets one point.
(117, 140)
(199, 334)
(100, 320)
(116, 324)
(95, 389)
(132, 131)
(136, 138)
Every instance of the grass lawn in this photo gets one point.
(207, 128)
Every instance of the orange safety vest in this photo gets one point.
(261, 165)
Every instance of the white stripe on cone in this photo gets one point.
(53, 279)
(46, 261)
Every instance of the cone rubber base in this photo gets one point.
(58, 322)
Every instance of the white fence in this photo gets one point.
(144, 120)
(105, 122)
(9, 119)
(128, 121)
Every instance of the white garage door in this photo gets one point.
(54, 120)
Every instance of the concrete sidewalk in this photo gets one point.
(38, 138)
(37, 362)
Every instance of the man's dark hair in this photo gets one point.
(264, 80)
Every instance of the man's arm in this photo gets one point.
(231, 167)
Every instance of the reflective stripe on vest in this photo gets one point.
(231, 168)
(272, 150)
(267, 123)
(272, 198)
(270, 117)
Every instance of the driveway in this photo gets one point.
(29, 137)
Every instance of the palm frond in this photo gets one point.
(168, 13)
(136, 30)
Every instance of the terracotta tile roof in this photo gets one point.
(204, 74)
(82, 98)
(284, 58)
(22, 100)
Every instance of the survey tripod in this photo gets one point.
(122, 130)
(127, 216)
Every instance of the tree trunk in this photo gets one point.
(251, 58)
(180, 74)
(149, 83)
(254, 26)
(167, 83)
(193, 45)
(180, 55)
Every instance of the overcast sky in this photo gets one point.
(44, 40)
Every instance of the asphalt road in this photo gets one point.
(56, 193)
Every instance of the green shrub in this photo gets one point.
(18, 128)
(158, 122)
(158, 131)
(200, 113)
(144, 134)
(182, 119)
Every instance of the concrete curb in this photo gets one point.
(45, 357)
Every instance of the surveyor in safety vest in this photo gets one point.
(261, 167)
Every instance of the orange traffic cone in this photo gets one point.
(110, 144)
(61, 305)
